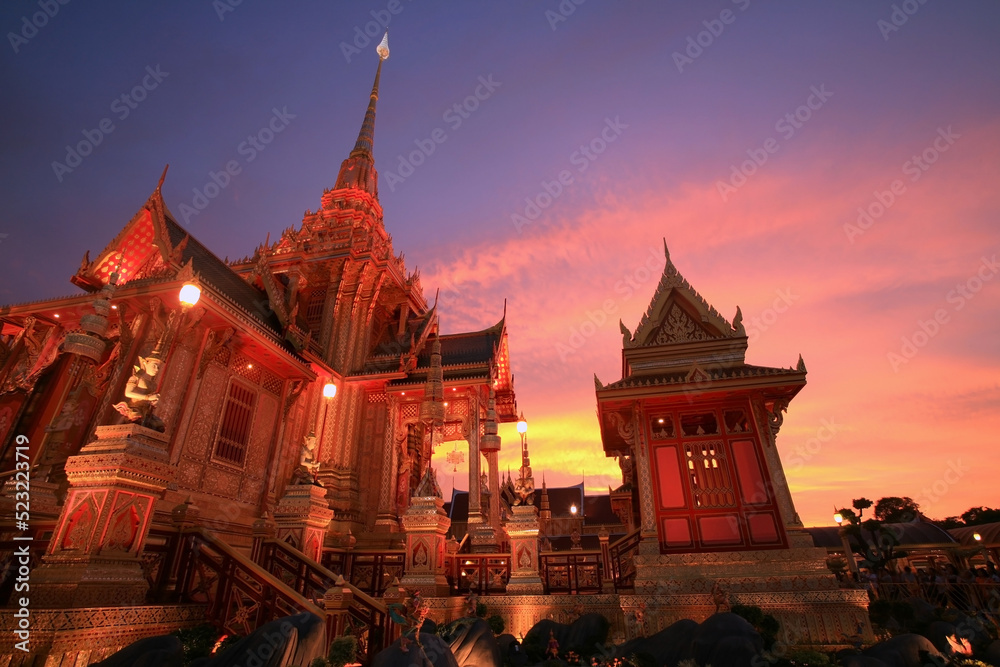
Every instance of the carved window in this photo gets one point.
(314, 309)
(736, 421)
(237, 420)
(703, 423)
(707, 468)
(661, 427)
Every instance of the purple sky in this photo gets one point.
(884, 85)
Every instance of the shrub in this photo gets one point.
(767, 626)
(496, 624)
(343, 650)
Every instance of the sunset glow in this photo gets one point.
(833, 177)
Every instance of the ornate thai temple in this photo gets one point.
(237, 441)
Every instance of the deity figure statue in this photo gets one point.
(308, 466)
(552, 648)
(141, 395)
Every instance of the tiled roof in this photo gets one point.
(218, 274)
(743, 371)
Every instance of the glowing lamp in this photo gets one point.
(329, 390)
(572, 509)
(977, 537)
(190, 293)
(522, 426)
(839, 518)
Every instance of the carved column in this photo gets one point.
(475, 490)
(523, 531)
(94, 557)
(492, 460)
(484, 536)
(303, 515)
(426, 523)
(637, 439)
(386, 520)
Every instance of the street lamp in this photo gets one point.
(189, 295)
(848, 551)
(572, 509)
(329, 391)
(986, 554)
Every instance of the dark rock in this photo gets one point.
(937, 632)
(923, 611)
(163, 651)
(734, 651)
(586, 635)
(903, 651)
(992, 653)
(432, 652)
(292, 640)
(717, 627)
(858, 660)
(512, 651)
(667, 647)
(472, 643)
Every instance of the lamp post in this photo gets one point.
(329, 392)
(986, 554)
(848, 551)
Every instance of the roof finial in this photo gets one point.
(163, 177)
(666, 251)
(358, 170)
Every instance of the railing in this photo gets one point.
(483, 574)
(367, 619)
(573, 572)
(373, 572)
(240, 595)
(622, 565)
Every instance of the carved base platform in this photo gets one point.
(85, 636)
(793, 585)
(88, 582)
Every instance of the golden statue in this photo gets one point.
(141, 395)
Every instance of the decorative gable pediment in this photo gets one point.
(142, 249)
(678, 314)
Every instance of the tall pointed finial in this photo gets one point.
(163, 177)
(383, 47)
(358, 170)
(666, 251)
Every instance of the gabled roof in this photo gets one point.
(677, 313)
(153, 247)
